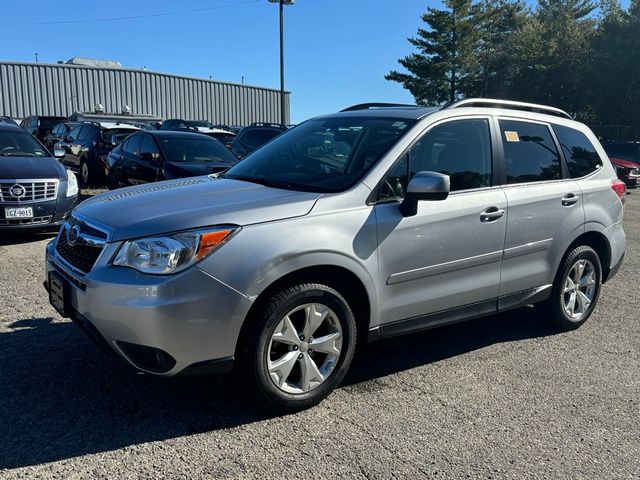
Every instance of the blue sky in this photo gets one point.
(336, 51)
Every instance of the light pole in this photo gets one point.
(283, 118)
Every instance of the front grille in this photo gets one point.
(26, 221)
(29, 191)
(81, 257)
(80, 244)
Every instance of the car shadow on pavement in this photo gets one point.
(61, 397)
(21, 238)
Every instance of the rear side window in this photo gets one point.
(529, 152)
(580, 154)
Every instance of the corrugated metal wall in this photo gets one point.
(51, 89)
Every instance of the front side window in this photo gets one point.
(460, 149)
(580, 154)
(148, 145)
(322, 155)
(132, 145)
(530, 154)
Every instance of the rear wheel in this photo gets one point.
(576, 289)
(299, 348)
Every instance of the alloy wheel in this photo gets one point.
(579, 289)
(304, 348)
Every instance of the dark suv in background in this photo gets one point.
(39, 126)
(58, 133)
(85, 149)
(254, 136)
(163, 155)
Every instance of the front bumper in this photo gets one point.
(47, 215)
(189, 321)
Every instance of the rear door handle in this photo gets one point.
(570, 199)
(491, 214)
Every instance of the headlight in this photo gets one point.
(173, 253)
(72, 184)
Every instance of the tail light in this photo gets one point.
(621, 189)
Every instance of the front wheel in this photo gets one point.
(298, 350)
(576, 289)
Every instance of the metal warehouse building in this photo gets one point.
(62, 89)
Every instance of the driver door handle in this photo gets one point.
(491, 214)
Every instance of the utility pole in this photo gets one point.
(282, 3)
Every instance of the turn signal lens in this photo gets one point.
(209, 241)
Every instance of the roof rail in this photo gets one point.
(367, 106)
(510, 105)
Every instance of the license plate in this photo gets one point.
(59, 294)
(20, 212)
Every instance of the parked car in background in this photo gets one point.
(625, 157)
(229, 128)
(58, 133)
(225, 137)
(5, 119)
(254, 136)
(163, 155)
(628, 172)
(36, 192)
(84, 150)
(39, 126)
(355, 226)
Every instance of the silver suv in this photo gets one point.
(369, 223)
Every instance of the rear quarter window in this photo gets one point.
(580, 154)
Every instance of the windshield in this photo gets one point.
(322, 155)
(201, 149)
(17, 143)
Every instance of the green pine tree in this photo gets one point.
(444, 67)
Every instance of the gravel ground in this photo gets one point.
(499, 397)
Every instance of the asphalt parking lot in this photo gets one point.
(499, 397)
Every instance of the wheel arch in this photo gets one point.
(342, 279)
(599, 242)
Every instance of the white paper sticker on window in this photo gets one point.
(511, 136)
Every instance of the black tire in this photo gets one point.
(554, 308)
(86, 177)
(253, 351)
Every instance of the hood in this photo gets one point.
(188, 203)
(31, 168)
(188, 169)
(623, 163)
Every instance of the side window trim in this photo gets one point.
(564, 170)
(494, 136)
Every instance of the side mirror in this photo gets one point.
(58, 152)
(424, 186)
